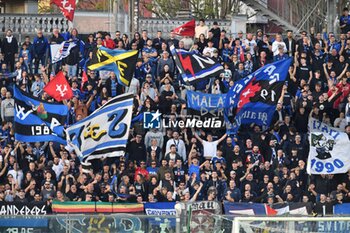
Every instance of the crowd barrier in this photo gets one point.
(202, 216)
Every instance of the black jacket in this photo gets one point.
(292, 49)
(9, 49)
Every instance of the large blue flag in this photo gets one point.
(37, 120)
(253, 99)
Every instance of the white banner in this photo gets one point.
(329, 149)
(60, 51)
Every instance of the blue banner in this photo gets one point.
(333, 226)
(253, 99)
(160, 208)
(24, 222)
(205, 102)
(37, 120)
(250, 209)
(342, 209)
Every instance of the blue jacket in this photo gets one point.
(40, 46)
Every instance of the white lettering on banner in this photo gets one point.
(207, 101)
(200, 60)
(38, 130)
(25, 210)
(214, 112)
(334, 226)
(20, 112)
(54, 123)
(325, 129)
(269, 69)
(20, 230)
(205, 205)
(328, 149)
(262, 116)
(160, 212)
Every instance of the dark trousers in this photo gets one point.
(9, 60)
(37, 60)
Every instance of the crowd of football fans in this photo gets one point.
(181, 164)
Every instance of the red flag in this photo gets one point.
(67, 7)
(186, 29)
(83, 80)
(59, 88)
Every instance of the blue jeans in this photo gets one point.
(72, 71)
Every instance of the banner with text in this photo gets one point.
(329, 149)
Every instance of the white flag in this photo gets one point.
(60, 51)
(105, 132)
(329, 149)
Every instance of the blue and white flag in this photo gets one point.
(248, 209)
(205, 102)
(194, 67)
(105, 132)
(60, 51)
(253, 99)
(161, 208)
(329, 149)
(37, 120)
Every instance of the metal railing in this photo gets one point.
(28, 23)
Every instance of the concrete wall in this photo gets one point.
(87, 22)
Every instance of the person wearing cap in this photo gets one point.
(259, 35)
(281, 55)
(277, 44)
(216, 30)
(240, 36)
(344, 21)
(201, 29)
